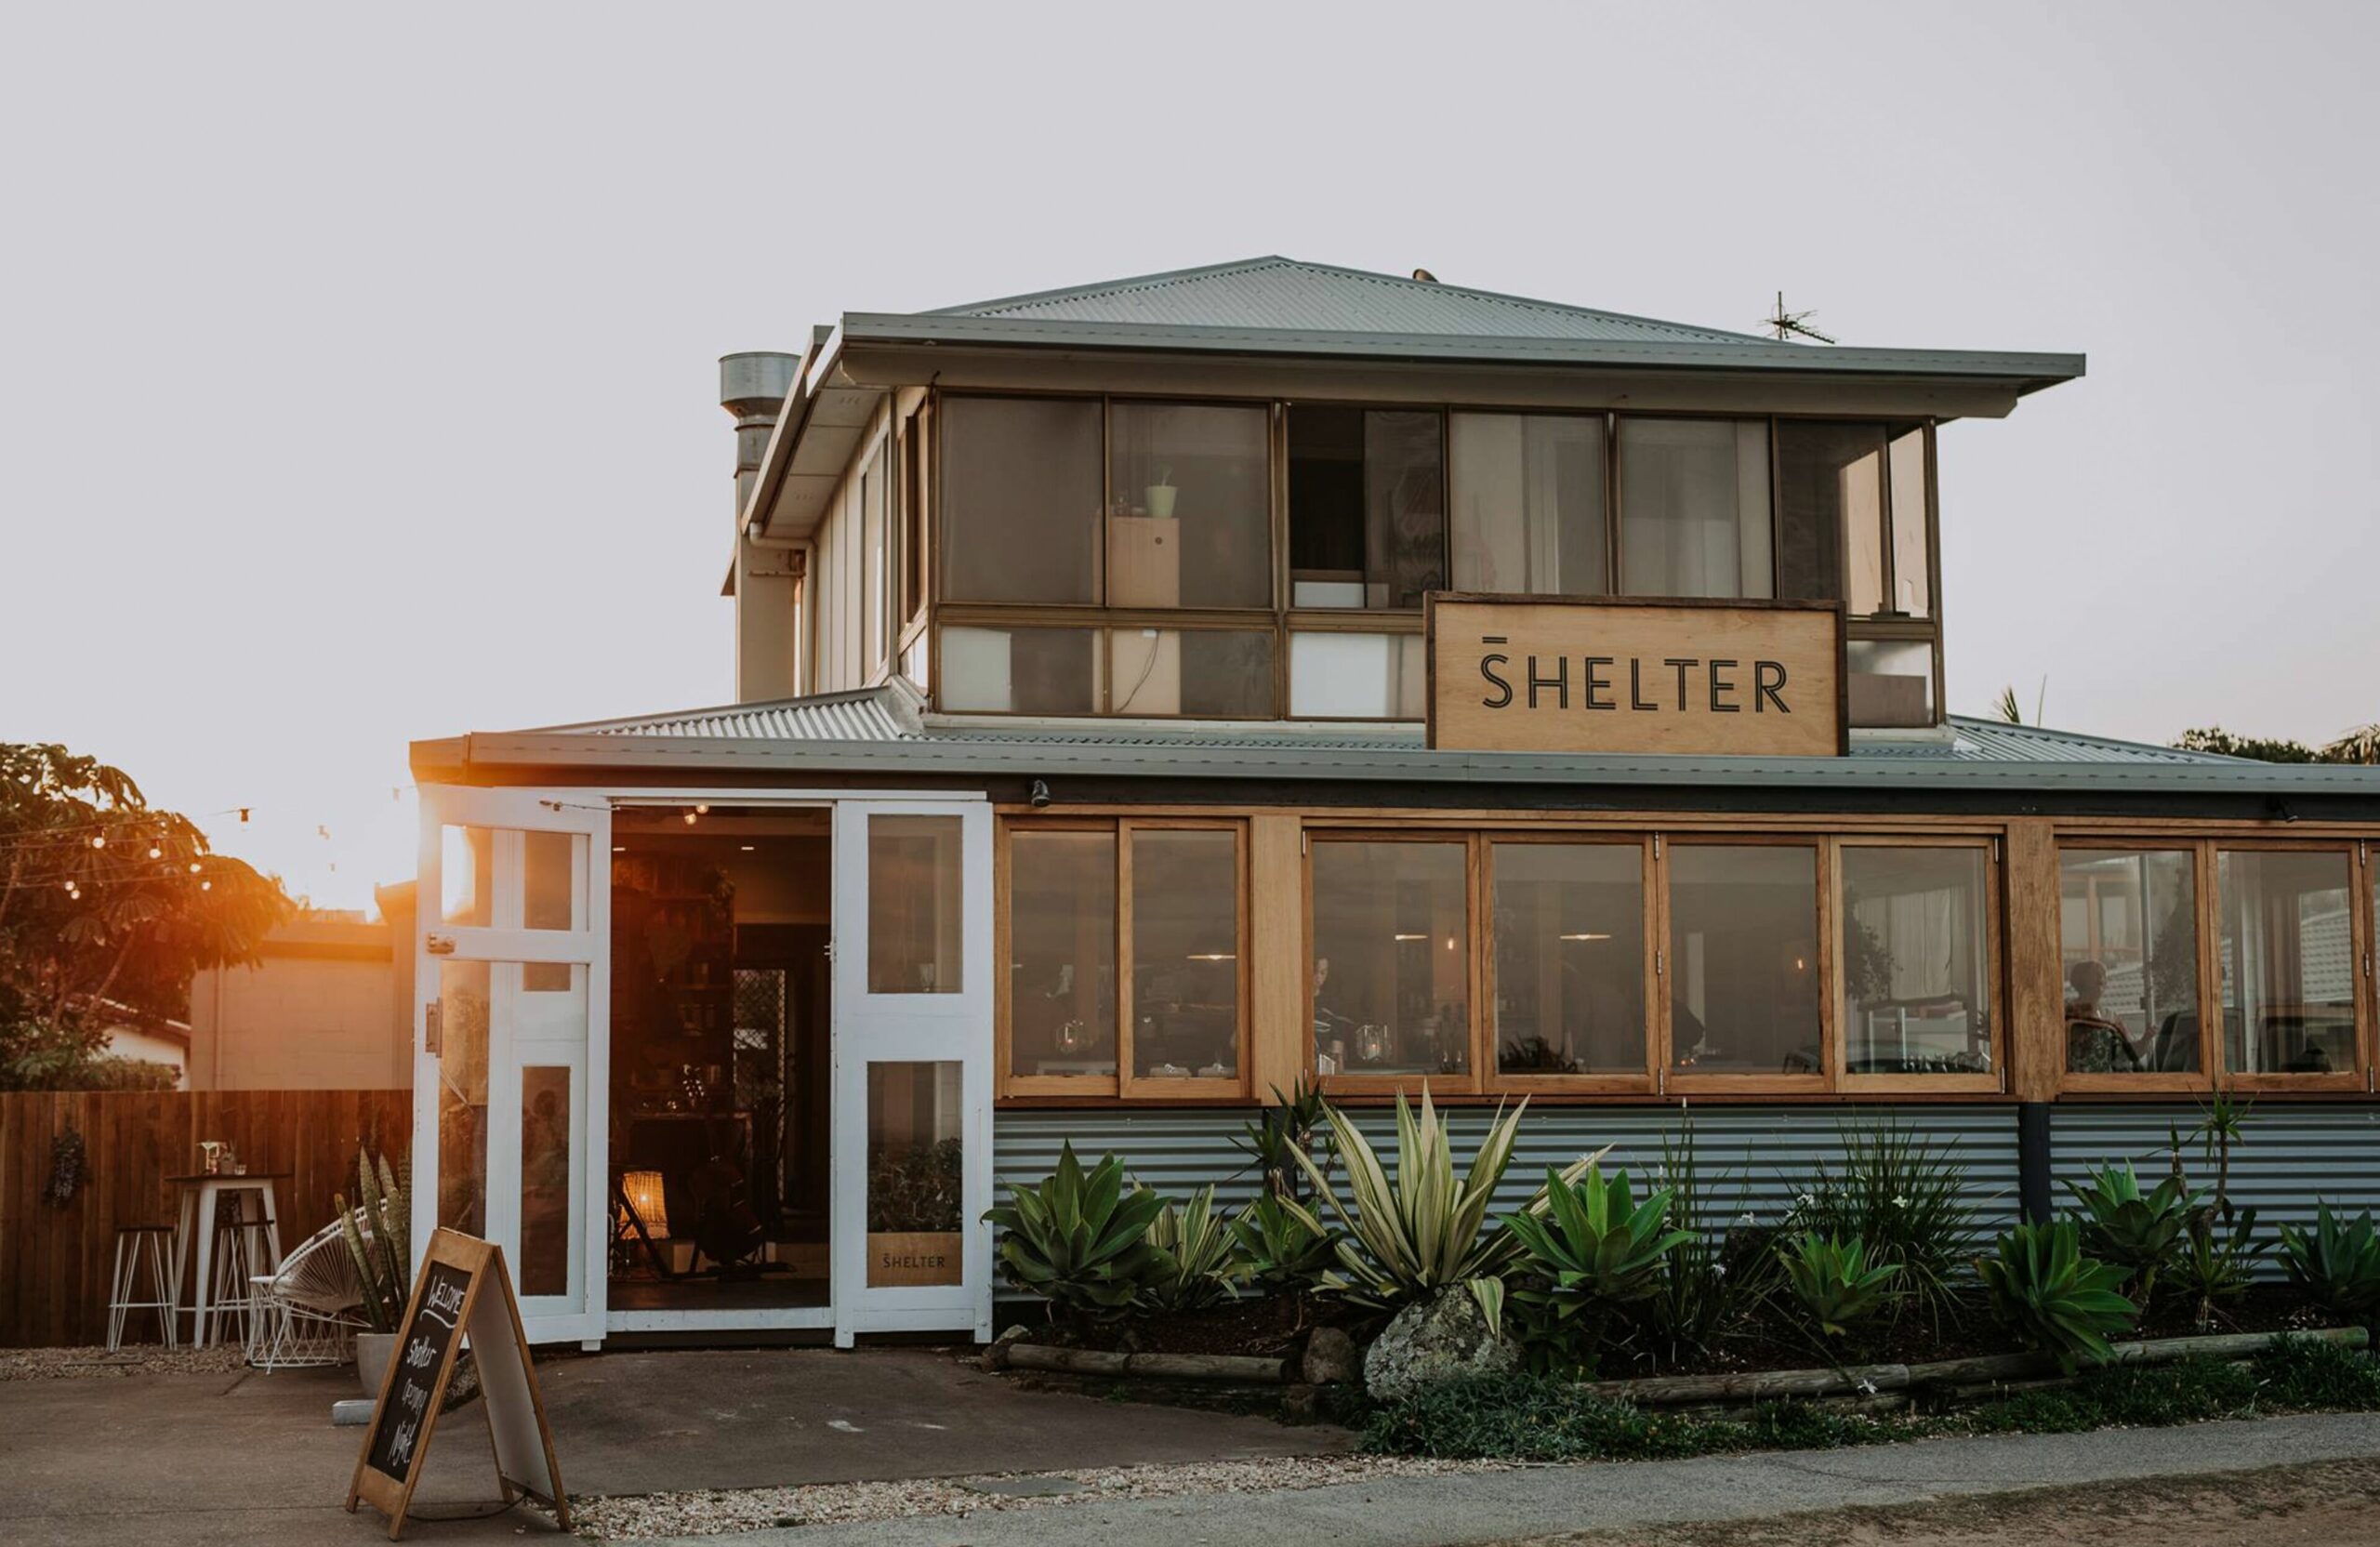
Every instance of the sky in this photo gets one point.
(357, 364)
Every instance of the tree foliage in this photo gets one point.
(108, 904)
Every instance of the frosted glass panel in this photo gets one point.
(1357, 676)
(1694, 507)
(1528, 504)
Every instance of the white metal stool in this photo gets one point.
(134, 1245)
(239, 1253)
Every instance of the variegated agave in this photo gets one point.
(1421, 1230)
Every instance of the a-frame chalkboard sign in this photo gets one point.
(461, 1289)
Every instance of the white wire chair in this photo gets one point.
(307, 1309)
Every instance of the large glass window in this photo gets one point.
(1831, 513)
(1062, 953)
(1916, 960)
(1913, 590)
(1185, 954)
(1020, 500)
(1367, 507)
(1528, 504)
(1569, 953)
(1190, 516)
(1391, 964)
(1694, 507)
(2288, 960)
(1219, 674)
(2128, 945)
(1046, 671)
(913, 905)
(1889, 683)
(1743, 968)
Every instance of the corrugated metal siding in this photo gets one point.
(1752, 1159)
(2288, 1156)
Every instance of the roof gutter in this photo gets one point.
(826, 344)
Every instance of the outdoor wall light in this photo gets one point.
(1040, 796)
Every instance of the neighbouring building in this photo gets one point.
(326, 1006)
(1152, 694)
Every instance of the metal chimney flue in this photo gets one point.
(752, 387)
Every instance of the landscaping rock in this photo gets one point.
(995, 1356)
(1439, 1339)
(1331, 1358)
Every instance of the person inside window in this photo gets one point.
(2096, 1041)
(1331, 1027)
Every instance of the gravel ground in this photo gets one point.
(750, 1509)
(98, 1364)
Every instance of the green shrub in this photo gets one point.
(2337, 1262)
(1595, 1249)
(1423, 1229)
(1280, 1133)
(1201, 1256)
(2053, 1297)
(1284, 1248)
(1716, 1276)
(2318, 1374)
(1080, 1241)
(1835, 1282)
(1907, 1199)
(2141, 1233)
(2190, 1391)
(1528, 1418)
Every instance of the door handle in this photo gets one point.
(433, 1038)
(440, 945)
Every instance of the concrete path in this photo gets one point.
(1501, 1506)
(250, 1457)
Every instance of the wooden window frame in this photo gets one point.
(1123, 1086)
(1825, 1081)
(1473, 1081)
(1991, 1081)
(1497, 1082)
(2212, 1073)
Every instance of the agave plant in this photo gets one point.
(2138, 1232)
(1835, 1282)
(374, 1229)
(1422, 1230)
(1283, 1247)
(2053, 1296)
(1282, 1132)
(1592, 1250)
(1080, 1241)
(1202, 1260)
(2337, 1262)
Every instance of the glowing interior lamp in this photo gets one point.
(643, 1189)
(1213, 956)
(1587, 936)
(1412, 937)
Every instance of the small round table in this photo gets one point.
(196, 1232)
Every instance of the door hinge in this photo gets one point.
(439, 945)
(1657, 845)
(433, 1038)
(829, 948)
(1659, 964)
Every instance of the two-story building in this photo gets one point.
(1153, 695)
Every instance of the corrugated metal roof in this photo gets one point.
(1283, 293)
(865, 714)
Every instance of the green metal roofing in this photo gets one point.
(882, 731)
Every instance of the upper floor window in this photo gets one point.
(1367, 507)
(1020, 494)
(1851, 516)
(1529, 502)
(1190, 507)
(1694, 507)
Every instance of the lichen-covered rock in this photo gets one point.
(1442, 1338)
(1331, 1359)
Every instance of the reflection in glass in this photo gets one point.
(1215, 674)
(1020, 494)
(462, 1095)
(913, 905)
(467, 876)
(1338, 675)
(1916, 962)
(1890, 681)
(1831, 512)
(1191, 521)
(1391, 967)
(1061, 945)
(1912, 576)
(1694, 507)
(916, 1174)
(1743, 958)
(545, 1179)
(1185, 954)
(2288, 960)
(1367, 507)
(1528, 503)
(1053, 671)
(550, 885)
(2128, 946)
(1569, 932)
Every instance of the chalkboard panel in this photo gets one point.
(461, 1290)
(425, 1348)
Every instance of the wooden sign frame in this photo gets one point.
(1833, 610)
(507, 1386)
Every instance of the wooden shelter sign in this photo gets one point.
(460, 1290)
(1552, 674)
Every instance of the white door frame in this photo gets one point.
(504, 943)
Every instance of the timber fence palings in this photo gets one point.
(54, 1262)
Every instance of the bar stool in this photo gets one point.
(240, 1255)
(135, 1244)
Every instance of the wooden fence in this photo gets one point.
(55, 1261)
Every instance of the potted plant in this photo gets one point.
(1158, 496)
(374, 1229)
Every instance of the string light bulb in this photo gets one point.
(193, 867)
(100, 841)
(689, 819)
(155, 852)
(206, 886)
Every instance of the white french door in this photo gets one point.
(511, 988)
(913, 976)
